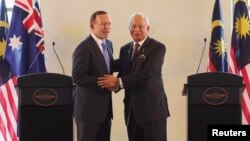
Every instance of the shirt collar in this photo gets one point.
(98, 41)
(141, 42)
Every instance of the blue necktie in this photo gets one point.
(106, 55)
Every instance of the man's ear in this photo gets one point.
(91, 25)
(148, 28)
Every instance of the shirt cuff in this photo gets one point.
(121, 84)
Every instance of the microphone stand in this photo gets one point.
(53, 44)
(205, 40)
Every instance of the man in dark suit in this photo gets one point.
(91, 59)
(140, 74)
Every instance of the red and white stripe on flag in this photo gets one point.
(245, 73)
(8, 111)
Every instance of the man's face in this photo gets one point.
(101, 26)
(138, 28)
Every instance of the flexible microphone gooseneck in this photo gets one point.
(53, 44)
(205, 40)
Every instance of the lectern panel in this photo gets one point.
(201, 115)
(51, 123)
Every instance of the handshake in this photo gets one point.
(109, 82)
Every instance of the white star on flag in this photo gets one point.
(15, 42)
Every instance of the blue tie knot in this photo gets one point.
(103, 45)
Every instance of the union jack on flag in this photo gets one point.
(25, 39)
(24, 53)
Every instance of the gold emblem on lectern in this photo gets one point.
(215, 96)
(45, 97)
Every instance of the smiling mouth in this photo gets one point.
(136, 34)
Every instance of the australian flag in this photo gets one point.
(25, 41)
(217, 51)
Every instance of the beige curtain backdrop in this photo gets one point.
(181, 25)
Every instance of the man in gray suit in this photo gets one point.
(140, 74)
(91, 59)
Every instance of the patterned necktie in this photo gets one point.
(135, 52)
(106, 55)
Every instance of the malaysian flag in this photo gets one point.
(23, 54)
(217, 50)
(240, 52)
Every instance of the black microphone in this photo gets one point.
(205, 40)
(53, 44)
(40, 50)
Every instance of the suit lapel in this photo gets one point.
(99, 53)
(141, 51)
(129, 55)
(144, 45)
(130, 52)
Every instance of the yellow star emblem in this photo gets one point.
(242, 26)
(220, 47)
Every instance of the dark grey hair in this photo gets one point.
(138, 14)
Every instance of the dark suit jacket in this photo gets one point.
(91, 103)
(144, 90)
